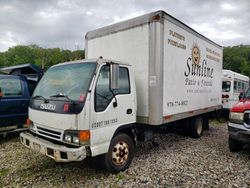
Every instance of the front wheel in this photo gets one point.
(234, 145)
(120, 154)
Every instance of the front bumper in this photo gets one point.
(57, 152)
(239, 132)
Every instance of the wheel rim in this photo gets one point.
(120, 153)
(199, 127)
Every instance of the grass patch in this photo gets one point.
(219, 120)
(119, 176)
(4, 172)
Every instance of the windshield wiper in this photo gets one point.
(60, 95)
(39, 97)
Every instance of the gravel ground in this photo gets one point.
(178, 161)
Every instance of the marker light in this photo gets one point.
(66, 107)
(84, 135)
(225, 96)
(28, 122)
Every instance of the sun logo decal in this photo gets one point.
(196, 55)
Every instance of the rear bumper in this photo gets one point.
(239, 132)
(57, 152)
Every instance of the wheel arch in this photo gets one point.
(129, 129)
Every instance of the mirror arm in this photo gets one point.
(114, 103)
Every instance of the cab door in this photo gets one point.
(14, 101)
(110, 109)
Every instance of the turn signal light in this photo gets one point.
(84, 135)
(28, 123)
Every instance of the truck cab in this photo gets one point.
(17, 84)
(239, 123)
(83, 108)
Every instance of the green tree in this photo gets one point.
(78, 54)
(237, 58)
(19, 55)
(42, 57)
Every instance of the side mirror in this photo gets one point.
(114, 76)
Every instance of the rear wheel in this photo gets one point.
(234, 145)
(196, 127)
(205, 122)
(120, 154)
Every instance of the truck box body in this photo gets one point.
(177, 70)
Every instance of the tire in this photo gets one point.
(196, 127)
(120, 154)
(234, 145)
(205, 122)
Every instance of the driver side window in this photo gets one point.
(103, 94)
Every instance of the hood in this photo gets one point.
(241, 106)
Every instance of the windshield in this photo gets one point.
(247, 94)
(226, 85)
(65, 82)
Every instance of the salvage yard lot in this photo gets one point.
(178, 161)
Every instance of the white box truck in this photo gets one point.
(155, 71)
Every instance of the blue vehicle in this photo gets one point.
(17, 84)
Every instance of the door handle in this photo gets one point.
(129, 111)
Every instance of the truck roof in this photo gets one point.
(231, 74)
(96, 60)
(144, 19)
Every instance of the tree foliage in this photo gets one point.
(237, 58)
(34, 54)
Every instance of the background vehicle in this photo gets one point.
(239, 123)
(17, 84)
(102, 107)
(233, 84)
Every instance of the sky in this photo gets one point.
(64, 23)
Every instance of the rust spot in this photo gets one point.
(167, 117)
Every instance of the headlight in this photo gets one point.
(247, 120)
(32, 127)
(68, 138)
(236, 117)
(77, 137)
(76, 140)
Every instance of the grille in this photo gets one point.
(49, 133)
